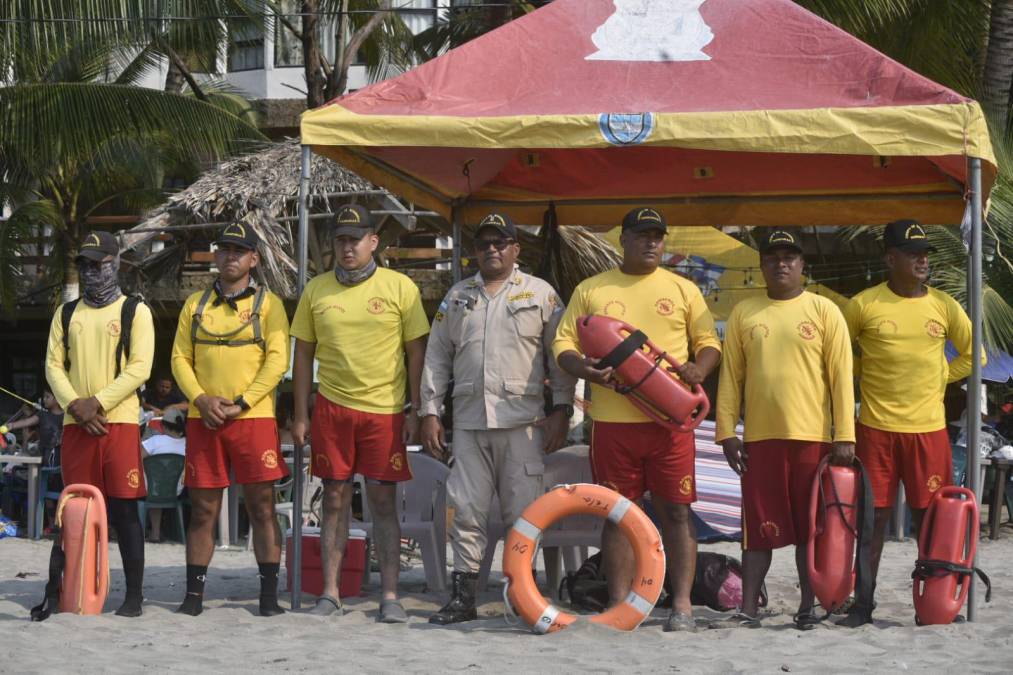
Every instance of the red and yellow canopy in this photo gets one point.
(716, 112)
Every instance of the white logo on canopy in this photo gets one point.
(653, 30)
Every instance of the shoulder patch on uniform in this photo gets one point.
(438, 316)
(523, 295)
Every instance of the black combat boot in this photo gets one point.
(462, 600)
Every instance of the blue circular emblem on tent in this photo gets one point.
(626, 128)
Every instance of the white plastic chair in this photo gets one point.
(567, 540)
(422, 511)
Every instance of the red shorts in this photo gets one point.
(345, 442)
(112, 463)
(635, 457)
(923, 461)
(776, 490)
(248, 446)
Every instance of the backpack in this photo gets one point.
(717, 584)
(225, 338)
(127, 311)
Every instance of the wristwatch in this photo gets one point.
(565, 407)
(241, 402)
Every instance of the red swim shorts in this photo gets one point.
(345, 442)
(923, 461)
(635, 457)
(247, 446)
(112, 463)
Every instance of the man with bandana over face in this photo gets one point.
(362, 323)
(101, 441)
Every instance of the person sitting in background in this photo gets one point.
(163, 395)
(171, 442)
(48, 421)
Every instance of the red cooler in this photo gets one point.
(353, 565)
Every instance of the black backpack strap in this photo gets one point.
(127, 312)
(65, 315)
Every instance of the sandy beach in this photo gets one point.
(229, 637)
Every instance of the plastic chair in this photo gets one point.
(568, 540)
(45, 492)
(422, 511)
(284, 507)
(162, 472)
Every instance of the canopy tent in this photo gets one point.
(715, 112)
(999, 368)
(741, 112)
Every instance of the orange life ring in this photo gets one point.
(583, 498)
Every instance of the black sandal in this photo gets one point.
(807, 620)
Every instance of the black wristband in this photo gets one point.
(241, 402)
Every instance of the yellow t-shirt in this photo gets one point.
(903, 372)
(790, 361)
(94, 334)
(240, 370)
(360, 332)
(667, 308)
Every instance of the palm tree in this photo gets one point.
(76, 134)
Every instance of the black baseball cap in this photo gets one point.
(779, 239)
(499, 222)
(239, 234)
(352, 220)
(908, 236)
(643, 219)
(97, 245)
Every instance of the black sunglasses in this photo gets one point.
(498, 244)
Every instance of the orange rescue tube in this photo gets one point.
(81, 516)
(833, 533)
(583, 498)
(646, 374)
(949, 536)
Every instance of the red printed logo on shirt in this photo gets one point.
(807, 329)
(614, 308)
(934, 328)
(113, 327)
(664, 306)
(244, 315)
(376, 305)
(760, 330)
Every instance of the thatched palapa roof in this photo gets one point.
(260, 190)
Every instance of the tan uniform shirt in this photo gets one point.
(497, 350)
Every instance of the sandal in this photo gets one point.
(392, 611)
(680, 623)
(327, 606)
(807, 620)
(737, 620)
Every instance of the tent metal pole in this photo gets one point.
(974, 381)
(455, 217)
(297, 455)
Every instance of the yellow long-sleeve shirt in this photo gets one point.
(790, 362)
(94, 334)
(229, 372)
(903, 372)
(669, 309)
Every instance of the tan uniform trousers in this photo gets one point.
(504, 462)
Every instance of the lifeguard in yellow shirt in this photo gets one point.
(366, 327)
(100, 351)
(787, 363)
(230, 352)
(901, 328)
(629, 453)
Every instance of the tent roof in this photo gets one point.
(719, 112)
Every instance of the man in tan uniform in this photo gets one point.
(492, 336)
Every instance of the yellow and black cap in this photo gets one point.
(908, 236)
(97, 245)
(239, 234)
(643, 219)
(779, 239)
(499, 222)
(353, 220)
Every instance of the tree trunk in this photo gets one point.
(174, 79)
(338, 81)
(997, 93)
(315, 80)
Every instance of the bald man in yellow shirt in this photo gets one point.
(629, 453)
(901, 328)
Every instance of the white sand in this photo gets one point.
(230, 637)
